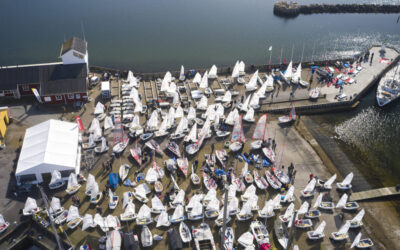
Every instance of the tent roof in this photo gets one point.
(51, 142)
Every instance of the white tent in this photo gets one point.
(48, 146)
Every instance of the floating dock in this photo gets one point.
(374, 194)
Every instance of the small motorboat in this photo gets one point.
(260, 232)
(270, 154)
(184, 232)
(158, 187)
(229, 238)
(146, 136)
(314, 93)
(318, 233)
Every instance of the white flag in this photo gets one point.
(270, 48)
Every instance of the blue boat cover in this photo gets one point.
(266, 163)
(140, 177)
(113, 180)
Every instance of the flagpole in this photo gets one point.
(270, 55)
(280, 62)
(291, 58)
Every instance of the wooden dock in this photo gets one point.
(374, 193)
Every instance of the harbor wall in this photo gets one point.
(292, 9)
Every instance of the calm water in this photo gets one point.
(158, 35)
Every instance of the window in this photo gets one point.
(47, 99)
(78, 96)
(58, 98)
(25, 87)
(71, 96)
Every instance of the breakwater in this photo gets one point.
(292, 9)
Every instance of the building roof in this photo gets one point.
(49, 145)
(49, 76)
(74, 43)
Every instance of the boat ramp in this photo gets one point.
(375, 194)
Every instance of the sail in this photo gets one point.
(269, 82)
(277, 200)
(193, 133)
(72, 180)
(195, 198)
(144, 212)
(211, 194)
(259, 131)
(203, 133)
(181, 126)
(94, 191)
(178, 212)
(202, 104)
(182, 72)
(255, 100)
(171, 117)
(241, 67)
(329, 182)
(213, 71)
(220, 110)
(134, 94)
(55, 177)
(73, 213)
(318, 201)
(246, 209)
(232, 191)
(87, 221)
(103, 144)
(156, 204)
(197, 209)
(320, 228)
(108, 123)
(191, 113)
(179, 198)
(213, 205)
(289, 72)
(237, 130)
(359, 216)
(289, 194)
(289, 211)
(99, 109)
(152, 123)
(348, 179)
(233, 204)
(55, 205)
(95, 124)
(235, 71)
(268, 207)
(204, 81)
(197, 78)
(127, 198)
(119, 135)
(232, 117)
(112, 221)
(249, 115)
(151, 176)
(310, 186)
(250, 191)
(342, 201)
(356, 240)
(90, 183)
(163, 220)
(166, 81)
(172, 88)
(176, 101)
(164, 124)
(303, 208)
(138, 106)
(129, 210)
(246, 103)
(252, 84)
(344, 228)
(227, 97)
(91, 138)
(297, 75)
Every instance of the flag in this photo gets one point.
(284, 60)
(36, 93)
(79, 122)
(270, 48)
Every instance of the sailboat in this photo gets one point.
(279, 173)
(222, 156)
(244, 107)
(252, 84)
(87, 222)
(181, 129)
(56, 180)
(246, 174)
(209, 182)
(241, 67)
(140, 192)
(260, 181)
(202, 105)
(213, 72)
(113, 240)
(120, 138)
(90, 144)
(255, 102)
(249, 117)
(347, 205)
(287, 216)
(156, 205)
(152, 123)
(287, 76)
(356, 222)
(272, 180)
(183, 165)
(197, 78)
(302, 222)
(232, 117)
(245, 213)
(3, 224)
(327, 205)
(124, 171)
(342, 233)
(144, 215)
(103, 148)
(297, 77)
(203, 237)
(219, 220)
(361, 243)
(196, 213)
(346, 183)
(129, 213)
(184, 232)
(212, 208)
(260, 232)
(182, 74)
(194, 147)
(73, 218)
(136, 153)
(178, 214)
(327, 184)
(314, 93)
(238, 137)
(204, 81)
(153, 145)
(318, 233)
(260, 133)
(250, 191)
(95, 194)
(113, 199)
(89, 184)
(174, 148)
(269, 84)
(268, 210)
(288, 118)
(281, 233)
(179, 198)
(289, 196)
(229, 238)
(211, 195)
(55, 207)
(163, 220)
(192, 136)
(246, 241)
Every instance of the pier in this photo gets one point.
(292, 9)
(374, 194)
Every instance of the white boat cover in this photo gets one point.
(359, 216)
(247, 239)
(108, 123)
(179, 198)
(87, 222)
(289, 194)
(30, 204)
(235, 71)
(318, 201)
(356, 240)
(144, 213)
(342, 201)
(55, 204)
(129, 210)
(73, 213)
(249, 115)
(310, 186)
(203, 103)
(90, 182)
(320, 228)
(191, 113)
(213, 72)
(156, 204)
(345, 228)
(112, 221)
(347, 180)
(166, 81)
(204, 81)
(178, 212)
(197, 78)
(113, 240)
(289, 72)
(100, 221)
(330, 181)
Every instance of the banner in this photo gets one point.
(79, 122)
(36, 93)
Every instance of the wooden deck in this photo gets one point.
(374, 193)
